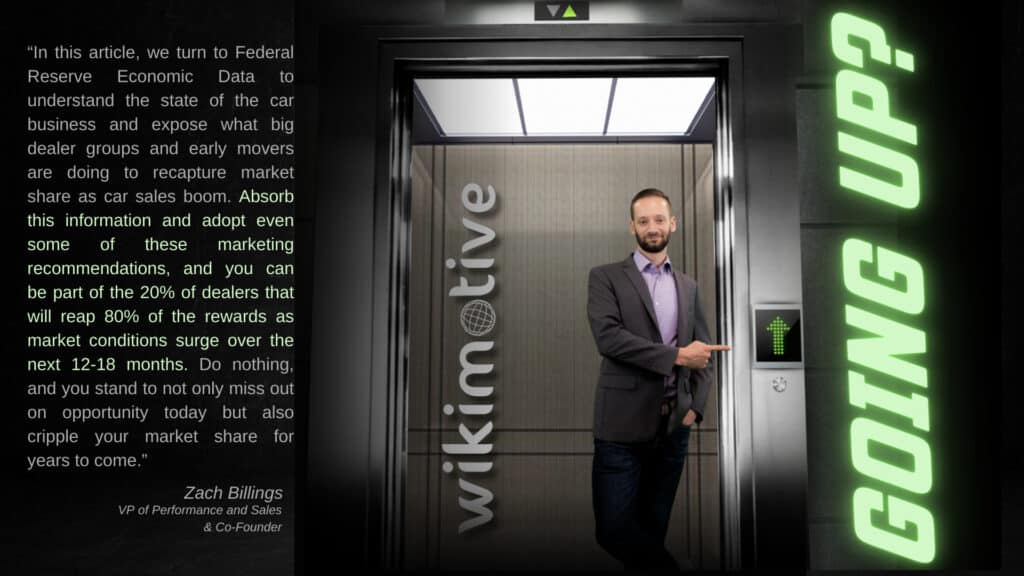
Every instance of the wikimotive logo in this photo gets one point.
(471, 455)
(477, 318)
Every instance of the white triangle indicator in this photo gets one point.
(553, 8)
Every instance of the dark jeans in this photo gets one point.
(634, 485)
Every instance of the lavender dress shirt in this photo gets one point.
(661, 284)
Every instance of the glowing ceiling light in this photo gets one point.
(564, 106)
(472, 106)
(553, 107)
(658, 106)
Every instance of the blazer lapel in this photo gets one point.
(683, 322)
(641, 287)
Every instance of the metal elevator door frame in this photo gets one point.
(480, 51)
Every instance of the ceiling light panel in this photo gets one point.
(472, 106)
(564, 106)
(657, 106)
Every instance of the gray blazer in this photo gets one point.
(634, 360)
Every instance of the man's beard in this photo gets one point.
(652, 247)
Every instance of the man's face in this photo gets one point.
(652, 224)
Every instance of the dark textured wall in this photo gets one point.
(959, 238)
(968, 96)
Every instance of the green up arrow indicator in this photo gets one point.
(569, 12)
(778, 328)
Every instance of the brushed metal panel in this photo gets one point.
(704, 273)
(533, 442)
(421, 442)
(537, 288)
(687, 211)
(424, 369)
(418, 525)
(693, 534)
(709, 549)
(550, 442)
(437, 287)
(421, 298)
(707, 440)
(604, 178)
(704, 227)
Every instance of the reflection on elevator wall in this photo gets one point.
(560, 210)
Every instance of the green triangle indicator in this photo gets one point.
(569, 12)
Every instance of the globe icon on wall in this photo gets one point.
(477, 317)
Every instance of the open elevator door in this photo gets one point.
(359, 442)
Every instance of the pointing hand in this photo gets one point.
(697, 354)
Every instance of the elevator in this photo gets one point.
(503, 231)
(497, 235)
(559, 206)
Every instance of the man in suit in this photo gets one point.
(646, 319)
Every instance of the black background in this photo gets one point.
(66, 521)
(966, 101)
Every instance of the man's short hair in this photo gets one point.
(647, 193)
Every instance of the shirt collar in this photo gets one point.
(642, 262)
